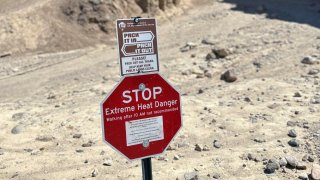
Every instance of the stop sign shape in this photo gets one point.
(141, 116)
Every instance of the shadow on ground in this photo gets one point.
(299, 11)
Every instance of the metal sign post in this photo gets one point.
(146, 169)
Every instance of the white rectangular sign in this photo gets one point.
(149, 129)
(145, 63)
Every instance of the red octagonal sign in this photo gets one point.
(141, 116)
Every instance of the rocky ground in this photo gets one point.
(249, 79)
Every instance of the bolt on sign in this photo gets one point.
(138, 49)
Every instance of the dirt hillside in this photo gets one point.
(58, 25)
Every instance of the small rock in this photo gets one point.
(51, 95)
(301, 166)
(292, 133)
(294, 143)
(315, 172)
(208, 74)
(28, 150)
(88, 144)
(191, 45)
(210, 57)
(311, 158)
(217, 144)
(15, 175)
(161, 158)
(199, 76)
(291, 123)
(2, 55)
(297, 94)
(283, 162)
(191, 176)
(198, 147)
(273, 106)
(274, 161)
(205, 148)
(77, 136)
(107, 162)
(221, 52)
(228, 76)
(207, 41)
(188, 46)
(216, 176)
(271, 167)
(313, 71)
(264, 161)
(257, 159)
(305, 157)
(94, 173)
(176, 157)
(171, 148)
(45, 138)
(259, 140)
(188, 72)
(308, 60)
(35, 152)
(17, 129)
(251, 156)
(303, 176)
(17, 116)
(247, 99)
(292, 161)
(79, 150)
(315, 100)
(257, 64)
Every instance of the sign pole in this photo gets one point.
(146, 169)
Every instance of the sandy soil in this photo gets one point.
(48, 99)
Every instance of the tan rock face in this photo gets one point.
(151, 6)
(60, 25)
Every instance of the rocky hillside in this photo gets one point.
(51, 26)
